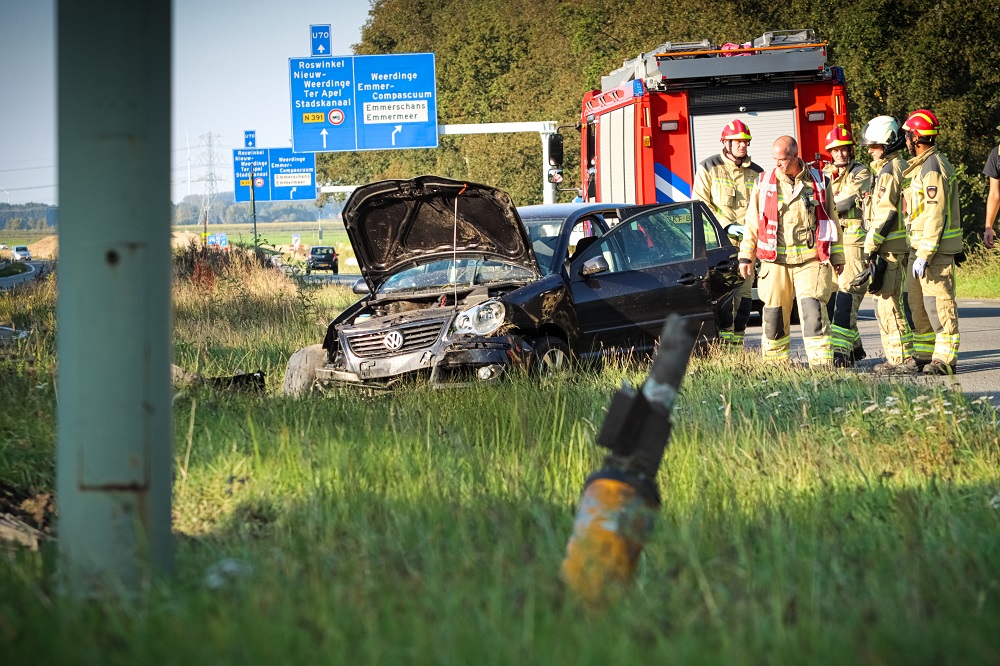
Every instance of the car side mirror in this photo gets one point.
(360, 287)
(736, 232)
(595, 265)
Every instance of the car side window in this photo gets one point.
(658, 237)
(608, 247)
(712, 241)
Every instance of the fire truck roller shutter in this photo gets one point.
(616, 133)
(765, 127)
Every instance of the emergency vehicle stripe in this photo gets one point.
(670, 186)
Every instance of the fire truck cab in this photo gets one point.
(661, 114)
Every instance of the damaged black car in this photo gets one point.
(460, 285)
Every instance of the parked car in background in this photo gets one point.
(20, 253)
(322, 258)
(458, 283)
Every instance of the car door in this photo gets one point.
(656, 265)
(722, 256)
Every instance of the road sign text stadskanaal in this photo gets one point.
(388, 101)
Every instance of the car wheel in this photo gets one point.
(335, 266)
(300, 373)
(552, 358)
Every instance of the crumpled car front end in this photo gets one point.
(383, 343)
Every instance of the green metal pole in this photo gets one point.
(114, 461)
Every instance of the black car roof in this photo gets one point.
(566, 209)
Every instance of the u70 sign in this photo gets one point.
(374, 102)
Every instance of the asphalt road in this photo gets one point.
(978, 355)
(9, 282)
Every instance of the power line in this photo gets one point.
(32, 187)
(51, 166)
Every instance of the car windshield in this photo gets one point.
(447, 273)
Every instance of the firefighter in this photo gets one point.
(885, 244)
(792, 227)
(935, 235)
(850, 182)
(724, 182)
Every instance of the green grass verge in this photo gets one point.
(809, 517)
(979, 276)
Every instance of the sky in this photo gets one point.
(230, 74)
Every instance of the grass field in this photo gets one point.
(979, 276)
(809, 517)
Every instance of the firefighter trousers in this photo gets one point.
(843, 307)
(896, 335)
(809, 285)
(733, 323)
(933, 314)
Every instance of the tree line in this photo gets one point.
(513, 60)
(223, 210)
(28, 216)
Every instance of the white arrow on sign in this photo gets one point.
(320, 48)
(324, 133)
(292, 193)
(399, 128)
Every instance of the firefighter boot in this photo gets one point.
(937, 367)
(909, 367)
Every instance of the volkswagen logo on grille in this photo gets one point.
(393, 340)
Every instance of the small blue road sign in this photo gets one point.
(223, 240)
(212, 240)
(319, 40)
(275, 174)
(249, 138)
(378, 102)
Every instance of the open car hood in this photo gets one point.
(393, 224)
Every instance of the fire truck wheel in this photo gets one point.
(552, 358)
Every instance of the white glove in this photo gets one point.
(919, 267)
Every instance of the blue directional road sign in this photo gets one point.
(275, 174)
(319, 40)
(250, 138)
(377, 102)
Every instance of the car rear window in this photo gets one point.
(322, 251)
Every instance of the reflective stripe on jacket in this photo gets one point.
(934, 222)
(884, 208)
(796, 221)
(725, 186)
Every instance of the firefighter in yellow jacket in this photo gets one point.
(724, 182)
(934, 226)
(886, 247)
(850, 181)
(792, 227)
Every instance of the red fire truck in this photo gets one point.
(659, 115)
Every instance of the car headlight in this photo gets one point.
(480, 319)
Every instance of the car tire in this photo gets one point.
(335, 266)
(300, 373)
(552, 358)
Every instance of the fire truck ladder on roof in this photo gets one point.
(777, 52)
